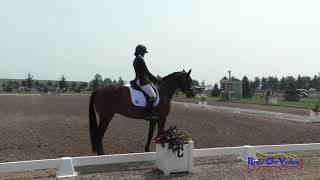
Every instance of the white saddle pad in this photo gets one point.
(138, 98)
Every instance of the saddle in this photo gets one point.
(139, 97)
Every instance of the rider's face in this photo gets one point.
(142, 54)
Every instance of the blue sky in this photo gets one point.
(80, 38)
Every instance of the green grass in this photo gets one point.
(309, 102)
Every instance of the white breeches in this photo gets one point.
(148, 90)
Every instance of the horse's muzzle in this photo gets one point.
(190, 93)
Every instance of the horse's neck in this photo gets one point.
(168, 89)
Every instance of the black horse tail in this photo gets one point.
(93, 125)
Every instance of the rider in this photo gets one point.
(144, 79)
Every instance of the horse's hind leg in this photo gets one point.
(103, 126)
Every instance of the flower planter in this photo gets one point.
(180, 161)
(202, 102)
(314, 116)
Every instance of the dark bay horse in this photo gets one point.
(107, 101)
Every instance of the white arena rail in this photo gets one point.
(278, 115)
(29, 165)
(18, 94)
(217, 151)
(65, 166)
(112, 159)
(74, 94)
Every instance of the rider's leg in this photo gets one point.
(152, 97)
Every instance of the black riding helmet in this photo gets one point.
(140, 49)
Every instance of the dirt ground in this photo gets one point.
(42, 127)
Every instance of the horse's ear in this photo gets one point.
(183, 70)
(189, 72)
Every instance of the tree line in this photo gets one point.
(61, 85)
(285, 85)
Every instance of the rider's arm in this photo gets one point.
(151, 76)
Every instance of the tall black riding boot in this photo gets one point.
(150, 114)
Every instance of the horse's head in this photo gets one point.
(185, 83)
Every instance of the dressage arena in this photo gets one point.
(45, 127)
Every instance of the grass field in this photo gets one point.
(308, 102)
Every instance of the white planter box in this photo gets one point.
(273, 101)
(202, 102)
(315, 117)
(168, 161)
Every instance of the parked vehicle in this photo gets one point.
(302, 92)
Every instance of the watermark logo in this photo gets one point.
(278, 161)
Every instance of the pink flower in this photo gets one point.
(157, 139)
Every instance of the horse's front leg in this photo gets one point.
(161, 124)
(150, 135)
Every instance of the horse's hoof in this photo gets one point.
(100, 153)
(146, 150)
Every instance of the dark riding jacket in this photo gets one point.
(142, 72)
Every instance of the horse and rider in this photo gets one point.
(109, 100)
(144, 79)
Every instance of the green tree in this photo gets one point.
(37, 84)
(264, 84)
(120, 82)
(3, 86)
(224, 78)
(291, 92)
(275, 84)
(84, 85)
(306, 82)
(283, 84)
(203, 84)
(49, 86)
(15, 84)
(299, 82)
(56, 85)
(314, 82)
(23, 83)
(50, 83)
(215, 91)
(107, 82)
(195, 83)
(81, 86)
(256, 84)
(74, 86)
(96, 82)
(63, 83)
(115, 83)
(236, 79)
(246, 89)
(29, 81)
(9, 86)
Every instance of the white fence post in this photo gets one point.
(279, 115)
(246, 151)
(191, 147)
(65, 168)
(236, 110)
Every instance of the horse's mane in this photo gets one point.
(170, 76)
